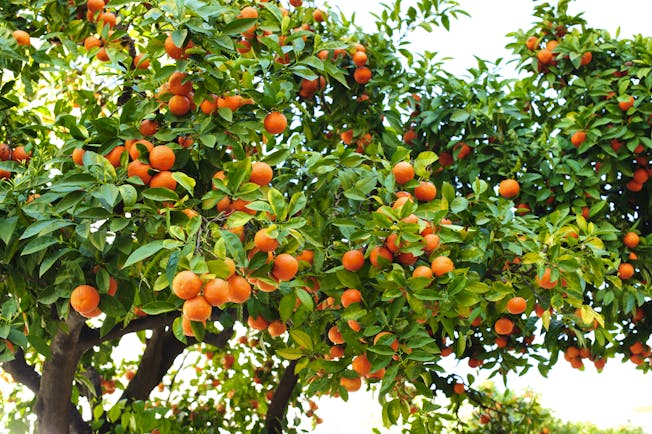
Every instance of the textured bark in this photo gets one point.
(279, 405)
(53, 407)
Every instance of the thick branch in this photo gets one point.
(91, 337)
(22, 372)
(279, 405)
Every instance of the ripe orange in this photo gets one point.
(359, 58)
(393, 345)
(504, 326)
(162, 157)
(626, 105)
(95, 5)
(362, 75)
(430, 242)
(197, 309)
(380, 252)
(335, 336)
(115, 155)
(141, 170)
(351, 296)
(172, 50)
(403, 172)
(113, 286)
(285, 267)
(306, 255)
(261, 173)
(163, 179)
(544, 281)
(148, 127)
(258, 323)
(318, 15)
(264, 242)
(209, 105)
(442, 265)
(516, 305)
(141, 63)
(186, 284)
(509, 188)
(586, 58)
(578, 138)
(22, 38)
(532, 43)
(5, 152)
(108, 18)
(361, 365)
(275, 123)
(216, 292)
(641, 175)
(353, 260)
(276, 328)
(625, 271)
(422, 271)
(631, 240)
(239, 289)
(336, 351)
(77, 156)
(179, 105)
(354, 325)
(84, 299)
(425, 191)
(249, 12)
(544, 56)
(134, 153)
(178, 84)
(20, 155)
(351, 384)
(92, 42)
(459, 388)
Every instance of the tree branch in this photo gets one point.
(22, 372)
(91, 337)
(278, 406)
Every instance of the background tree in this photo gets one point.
(179, 170)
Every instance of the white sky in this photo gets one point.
(620, 394)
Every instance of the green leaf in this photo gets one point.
(50, 260)
(277, 202)
(459, 115)
(459, 204)
(158, 307)
(185, 181)
(38, 244)
(302, 339)
(348, 279)
(234, 247)
(143, 252)
(424, 159)
(238, 26)
(161, 194)
(290, 353)
(129, 195)
(40, 345)
(7, 227)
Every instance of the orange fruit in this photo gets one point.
(422, 271)
(141, 170)
(351, 296)
(141, 63)
(108, 19)
(509, 188)
(353, 260)
(163, 180)
(77, 156)
(186, 284)
(516, 305)
(306, 255)
(20, 155)
(285, 267)
(626, 105)
(148, 127)
(179, 105)
(5, 152)
(544, 56)
(257, 323)
(631, 240)
(161, 157)
(172, 50)
(5, 174)
(335, 336)
(197, 309)
(134, 153)
(276, 328)
(393, 345)
(275, 123)
(261, 173)
(336, 351)
(354, 325)
(425, 191)
(586, 58)
(442, 265)
(102, 55)
(578, 138)
(249, 12)
(625, 271)
(380, 252)
(113, 286)
(351, 384)
(216, 292)
(459, 388)
(392, 243)
(92, 42)
(264, 242)
(504, 326)
(362, 75)
(115, 156)
(532, 43)
(430, 242)
(239, 289)
(318, 16)
(84, 299)
(95, 5)
(209, 105)
(359, 58)
(179, 84)
(403, 172)
(544, 281)
(22, 38)
(361, 365)
(641, 175)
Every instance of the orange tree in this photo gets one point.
(319, 207)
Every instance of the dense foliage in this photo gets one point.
(185, 170)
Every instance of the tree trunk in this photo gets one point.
(53, 407)
(279, 405)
